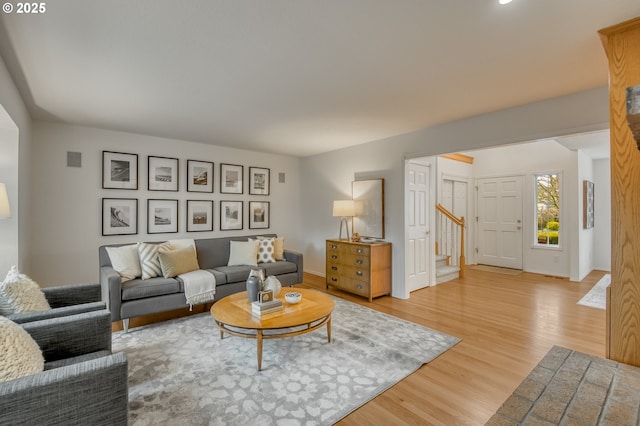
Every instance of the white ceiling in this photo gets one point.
(300, 77)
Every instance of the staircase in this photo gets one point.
(450, 259)
(445, 272)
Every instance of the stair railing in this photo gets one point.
(450, 237)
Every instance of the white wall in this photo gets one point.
(585, 246)
(15, 141)
(528, 160)
(328, 176)
(67, 201)
(602, 215)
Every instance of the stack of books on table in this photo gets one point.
(266, 307)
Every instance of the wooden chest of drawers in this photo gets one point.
(360, 268)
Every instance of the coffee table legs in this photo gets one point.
(329, 330)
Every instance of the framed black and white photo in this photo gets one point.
(119, 216)
(199, 215)
(162, 216)
(259, 214)
(259, 181)
(587, 204)
(231, 179)
(163, 174)
(119, 170)
(231, 215)
(199, 176)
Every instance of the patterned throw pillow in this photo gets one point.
(266, 250)
(149, 262)
(20, 355)
(278, 247)
(20, 294)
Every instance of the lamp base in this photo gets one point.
(346, 226)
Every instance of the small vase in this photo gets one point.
(273, 284)
(254, 285)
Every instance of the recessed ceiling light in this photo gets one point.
(504, 1)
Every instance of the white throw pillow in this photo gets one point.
(149, 262)
(20, 294)
(265, 250)
(20, 355)
(126, 261)
(182, 243)
(243, 253)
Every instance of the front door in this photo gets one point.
(500, 221)
(418, 244)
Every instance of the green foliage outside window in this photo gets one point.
(548, 209)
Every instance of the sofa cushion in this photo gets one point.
(279, 268)
(235, 273)
(178, 261)
(243, 253)
(140, 289)
(19, 294)
(149, 262)
(20, 355)
(126, 261)
(221, 277)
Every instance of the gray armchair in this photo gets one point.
(83, 382)
(66, 300)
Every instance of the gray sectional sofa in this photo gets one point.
(142, 297)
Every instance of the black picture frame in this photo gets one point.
(231, 215)
(163, 174)
(119, 216)
(231, 179)
(199, 215)
(259, 214)
(162, 216)
(199, 176)
(119, 170)
(259, 181)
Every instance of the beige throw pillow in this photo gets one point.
(243, 253)
(176, 262)
(20, 294)
(126, 261)
(20, 355)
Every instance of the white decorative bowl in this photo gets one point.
(292, 297)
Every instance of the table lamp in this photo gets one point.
(5, 211)
(344, 209)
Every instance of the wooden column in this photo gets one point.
(622, 45)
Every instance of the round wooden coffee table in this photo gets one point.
(311, 313)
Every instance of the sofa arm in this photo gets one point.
(111, 285)
(91, 392)
(75, 294)
(57, 312)
(73, 335)
(295, 257)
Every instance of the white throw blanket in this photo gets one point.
(199, 287)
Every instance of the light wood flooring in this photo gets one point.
(506, 323)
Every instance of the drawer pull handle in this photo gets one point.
(359, 262)
(359, 273)
(359, 286)
(334, 279)
(334, 246)
(359, 250)
(333, 256)
(334, 268)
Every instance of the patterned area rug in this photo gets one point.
(597, 296)
(181, 372)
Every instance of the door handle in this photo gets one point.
(519, 228)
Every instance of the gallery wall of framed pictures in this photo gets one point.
(166, 215)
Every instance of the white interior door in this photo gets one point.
(418, 211)
(500, 221)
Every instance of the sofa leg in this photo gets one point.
(125, 325)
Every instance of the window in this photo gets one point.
(548, 209)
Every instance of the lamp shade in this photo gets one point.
(5, 211)
(344, 208)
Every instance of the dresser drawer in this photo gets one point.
(360, 288)
(348, 271)
(360, 250)
(333, 247)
